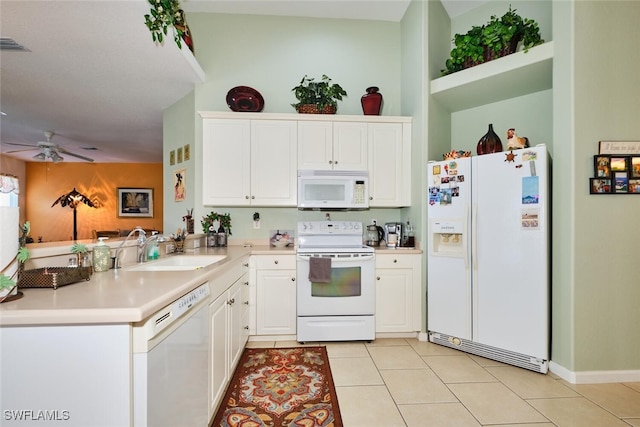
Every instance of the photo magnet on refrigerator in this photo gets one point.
(530, 190)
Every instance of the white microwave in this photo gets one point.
(331, 189)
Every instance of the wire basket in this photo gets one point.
(52, 277)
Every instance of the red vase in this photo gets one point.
(489, 143)
(371, 102)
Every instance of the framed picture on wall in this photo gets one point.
(634, 170)
(600, 186)
(135, 202)
(602, 166)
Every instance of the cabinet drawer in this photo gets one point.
(394, 261)
(275, 262)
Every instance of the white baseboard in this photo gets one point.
(594, 377)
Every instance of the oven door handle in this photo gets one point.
(366, 257)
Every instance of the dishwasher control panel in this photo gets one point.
(148, 333)
(189, 300)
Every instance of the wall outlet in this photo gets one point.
(256, 225)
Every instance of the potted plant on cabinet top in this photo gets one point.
(164, 14)
(317, 97)
(497, 38)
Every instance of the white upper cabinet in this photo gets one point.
(251, 159)
(249, 162)
(226, 162)
(389, 164)
(327, 145)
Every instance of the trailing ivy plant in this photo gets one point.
(164, 14)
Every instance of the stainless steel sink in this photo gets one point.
(179, 263)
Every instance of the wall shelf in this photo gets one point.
(508, 77)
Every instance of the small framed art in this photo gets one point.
(600, 186)
(602, 166)
(135, 202)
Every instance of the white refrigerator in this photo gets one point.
(488, 280)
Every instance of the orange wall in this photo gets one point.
(45, 182)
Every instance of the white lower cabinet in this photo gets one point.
(398, 293)
(229, 332)
(275, 294)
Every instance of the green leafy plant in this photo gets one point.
(319, 93)
(223, 219)
(498, 37)
(164, 14)
(78, 248)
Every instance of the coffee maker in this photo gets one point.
(393, 234)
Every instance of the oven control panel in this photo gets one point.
(326, 228)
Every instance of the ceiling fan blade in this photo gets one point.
(23, 145)
(20, 151)
(62, 150)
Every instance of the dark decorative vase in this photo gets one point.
(371, 102)
(489, 143)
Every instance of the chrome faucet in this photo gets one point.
(142, 249)
(141, 239)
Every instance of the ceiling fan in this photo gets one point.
(49, 150)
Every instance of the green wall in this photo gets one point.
(607, 107)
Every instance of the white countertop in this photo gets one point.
(123, 296)
(117, 296)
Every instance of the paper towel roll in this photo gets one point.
(9, 235)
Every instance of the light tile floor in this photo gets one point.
(406, 382)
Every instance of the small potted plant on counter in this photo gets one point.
(317, 97)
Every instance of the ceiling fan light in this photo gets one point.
(40, 156)
(56, 157)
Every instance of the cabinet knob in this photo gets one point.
(370, 197)
(335, 162)
(293, 279)
(378, 278)
(246, 197)
(246, 327)
(253, 197)
(395, 261)
(330, 162)
(231, 301)
(246, 283)
(246, 303)
(275, 262)
(245, 265)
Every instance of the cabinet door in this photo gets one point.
(218, 351)
(315, 145)
(385, 164)
(226, 162)
(276, 302)
(394, 291)
(274, 163)
(350, 146)
(236, 332)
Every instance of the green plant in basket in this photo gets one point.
(164, 14)
(319, 93)
(78, 248)
(497, 38)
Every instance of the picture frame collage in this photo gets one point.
(615, 174)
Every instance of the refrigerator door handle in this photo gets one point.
(474, 235)
(466, 239)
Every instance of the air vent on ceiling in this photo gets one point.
(7, 43)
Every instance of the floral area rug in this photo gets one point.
(278, 387)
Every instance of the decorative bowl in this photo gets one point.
(281, 243)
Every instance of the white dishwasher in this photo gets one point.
(170, 364)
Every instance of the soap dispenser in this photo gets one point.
(101, 256)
